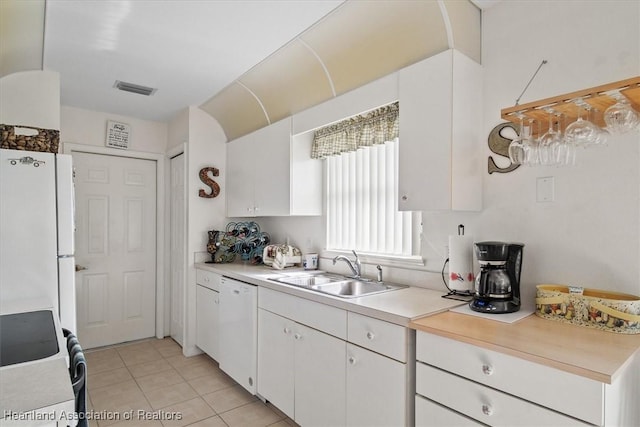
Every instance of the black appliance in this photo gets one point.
(497, 286)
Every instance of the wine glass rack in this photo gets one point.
(598, 98)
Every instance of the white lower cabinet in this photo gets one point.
(432, 414)
(276, 356)
(310, 368)
(301, 371)
(463, 384)
(375, 389)
(320, 394)
(207, 312)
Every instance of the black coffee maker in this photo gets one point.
(497, 286)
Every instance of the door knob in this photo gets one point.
(80, 267)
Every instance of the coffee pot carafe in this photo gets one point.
(497, 286)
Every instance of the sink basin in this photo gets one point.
(336, 285)
(353, 288)
(309, 281)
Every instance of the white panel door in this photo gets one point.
(320, 378)
(116, 242)
(375, 389)
(177, 244)
(276, 356)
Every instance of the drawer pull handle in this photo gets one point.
(206, 278)
(286, 330)
(487, 410)
(487, 369)
(370, 335)
(352, 360)
(298, 336)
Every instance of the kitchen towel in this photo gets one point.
(461, 277)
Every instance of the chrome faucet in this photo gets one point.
(353, 265)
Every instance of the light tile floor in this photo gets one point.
(150, 382)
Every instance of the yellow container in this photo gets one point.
(594, 308)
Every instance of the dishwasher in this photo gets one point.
(238, 331)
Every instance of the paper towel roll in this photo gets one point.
(461, 277)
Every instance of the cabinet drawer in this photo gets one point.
(208, 279)
(482, 403)
(378, 335)
(568, 393)
(431, 414)
(325, 318)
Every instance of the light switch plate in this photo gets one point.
(545, 189)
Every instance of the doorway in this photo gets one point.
(116, 241)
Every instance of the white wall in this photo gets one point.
(206, 147)
(31, 98)
(590, 235)
(89, 127)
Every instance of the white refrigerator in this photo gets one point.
(37, 231)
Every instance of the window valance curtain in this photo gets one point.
(372, 128)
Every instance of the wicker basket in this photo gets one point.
(47, 140)
(609, 311)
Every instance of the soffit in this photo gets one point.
(465, 28)
(360, 41)
(289, 81)
(368, 40)
(237, 111)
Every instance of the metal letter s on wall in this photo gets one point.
(499, 145)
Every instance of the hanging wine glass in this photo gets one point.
(565, 149)
(516, 149)
(549, 142)
(620, 117)
(601, 135)
(581, 133)
(530, 145)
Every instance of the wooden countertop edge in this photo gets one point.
(606, 376)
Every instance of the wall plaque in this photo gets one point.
(118, 135)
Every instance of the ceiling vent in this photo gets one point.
(134, 88)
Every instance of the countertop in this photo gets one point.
(399, 306)
(591, 353)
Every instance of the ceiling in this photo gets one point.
(188, 50)
(248, 63)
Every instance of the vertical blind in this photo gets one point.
(362, 191)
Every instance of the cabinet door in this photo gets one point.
(320, 392)
(272, 155)
(207, 321)
(376, 389)
(440, 139)
(425, 134)
(431, 414)
(276, 360)
(240, 177)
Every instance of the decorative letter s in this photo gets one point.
(204, 177)
(500, 145)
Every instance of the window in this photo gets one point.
(362, 184)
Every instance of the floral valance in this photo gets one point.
(375, 127)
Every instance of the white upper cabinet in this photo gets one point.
(269, 173)
(440, 134)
